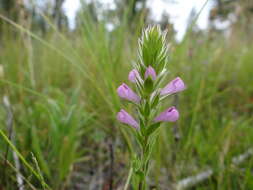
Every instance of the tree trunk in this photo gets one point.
(57, 13)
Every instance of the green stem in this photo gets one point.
(128, 178)
(142, 183)
(23, 159)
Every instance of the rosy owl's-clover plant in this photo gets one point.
(147, 75)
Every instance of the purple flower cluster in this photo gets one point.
(125, 92)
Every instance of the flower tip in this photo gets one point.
(120, 115)
(126, 118)
(174, 86)
(150, 71)
(180, 83)
(133, 75)
(171, 114)
(174, 114)
(127, 93)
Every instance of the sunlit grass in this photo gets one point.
(71, 108)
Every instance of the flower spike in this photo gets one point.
(146, 75)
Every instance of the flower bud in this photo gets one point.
(171, 114)
(133, 75)
(125, 118)
(150, 72)
(127, 93)
(174, 86)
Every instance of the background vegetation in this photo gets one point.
(59, 98)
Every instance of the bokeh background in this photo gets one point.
(61, 62)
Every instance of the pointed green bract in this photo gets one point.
(153, 50)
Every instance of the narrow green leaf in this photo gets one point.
(152, 128)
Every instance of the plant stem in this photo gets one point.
(142, 183)
(130, 173)
(7, 140)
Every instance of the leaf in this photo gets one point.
(146, 109)
(140, 174)
(148, 86)
(136, 163)
(152, 128)
(142, 126)
(139, 138)
(155, 100)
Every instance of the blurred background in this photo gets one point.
(61, 62)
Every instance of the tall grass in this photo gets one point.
(70, 110)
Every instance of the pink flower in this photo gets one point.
(133, 75)
(174, 86)
(171, 114)
(127, 93)
(150, 72)
(125, 118)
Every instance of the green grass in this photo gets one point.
(62, 88)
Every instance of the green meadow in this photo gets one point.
(59, 103)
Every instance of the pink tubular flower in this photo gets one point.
(125, 118)
(150, 72)
(171, 114)
(174, 86)
(133, 75)
(127, 93)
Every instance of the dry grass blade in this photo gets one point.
(9, 123)
(195, 180)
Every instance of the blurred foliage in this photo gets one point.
(62, 88)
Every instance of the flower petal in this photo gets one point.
(127, 93)
(174, 86)
(133, 75)
(126, 118)
(150, 72)
(171, 114)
